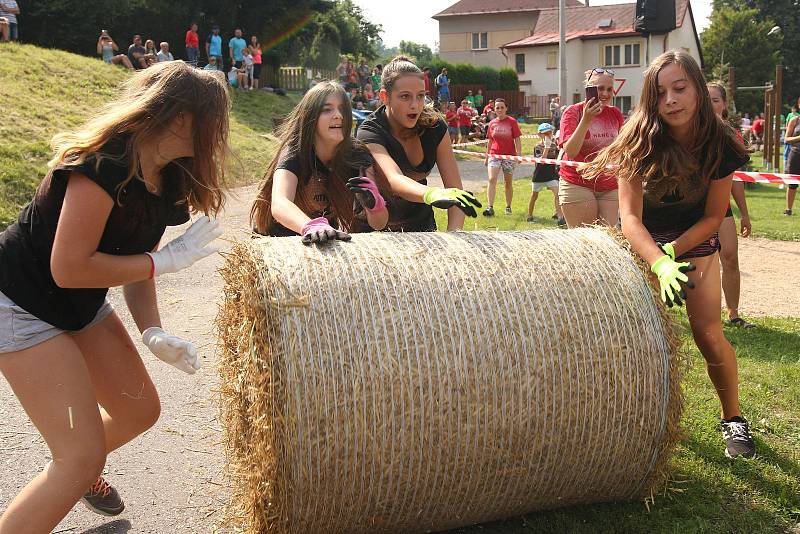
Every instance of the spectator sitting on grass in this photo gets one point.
(233, 76)
(106, 48)
(150, 52)
(9, 11)
(212, 64)
(164, 54)
(371, 98)
(136, 53)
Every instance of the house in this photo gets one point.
(596, 36)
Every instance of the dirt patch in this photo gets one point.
(171, 477)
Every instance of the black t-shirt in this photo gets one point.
(672, 204)
(133, 49)
(134, 227)
(544, 172)
(312, 192)
(405, 215)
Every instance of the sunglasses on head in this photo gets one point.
(598, 70)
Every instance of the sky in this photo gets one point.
(413, 22)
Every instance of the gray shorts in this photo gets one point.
(20, 330)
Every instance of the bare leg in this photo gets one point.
(608, 211)
(790, 194)
(492, 189)
(729, 258)
(559, 213)
(509, 183)
(702, 307)
(532, 203)
(61, 403)
(578, 214)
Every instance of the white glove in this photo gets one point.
(183, 251)
(171, 349)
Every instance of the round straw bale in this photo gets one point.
(424, 381)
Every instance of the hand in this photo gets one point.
(171, 349)
(668, 249)
(366, 193)
(591, 109)
(746, 226)
(670, 276)
(185, 250)
(442, 198)
(319, 230)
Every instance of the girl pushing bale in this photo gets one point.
(408, 382)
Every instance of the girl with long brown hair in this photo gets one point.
(143, 163)
(319, 171)
(407, 138)
(675, 160)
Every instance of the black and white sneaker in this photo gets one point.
(103, 499)
(738, 440)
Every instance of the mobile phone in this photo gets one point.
(591, 92)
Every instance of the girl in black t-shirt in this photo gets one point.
(407, 138)
(143, 163)
(319, 171)
(675, 161)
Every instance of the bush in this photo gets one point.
(508, 80)
(467, 74)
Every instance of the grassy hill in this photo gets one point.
(44, 91)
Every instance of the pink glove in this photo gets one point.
(367, 194)
(319, 230)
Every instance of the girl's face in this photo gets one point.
(677, 99)
(329, 124)
(717, 103)
(406, 100)
(605, 87)
(501, 109)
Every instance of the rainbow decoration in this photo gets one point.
(286, 34)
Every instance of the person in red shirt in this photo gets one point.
(503, 134)
(451, 118)
(192, 42)
(465, 114)
(426, 77)
(587, 128)
(488, 111)
(758, 131)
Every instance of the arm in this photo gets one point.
(284, 210)
(142, 303)
(12, 10)
(230, 51)
(737, 190)
(575, 141)
(630, 209)
(448, 169)
(75, 261)
(719, 192)
(114, 46)
(401, 185)
(518, 146)
(99, 45)
(207, 48)
(791, 139)
(377, 220)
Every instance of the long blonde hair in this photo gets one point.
(645, 149)
(151, 99)
(297, 134)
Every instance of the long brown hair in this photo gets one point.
(296, 135)
(722, 93)
(403, 66)
(645, 149)
(150, 100)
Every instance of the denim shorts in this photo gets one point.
(20, 330)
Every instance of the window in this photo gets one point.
(480, 41)
(623, 103)
(552, 60)
(622, 55)
(519, 59)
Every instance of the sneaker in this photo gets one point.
(787, 212)
(488, 212)
(529, 219)
(103, 499)
(738, 440)
(562, 222)
(508, 210)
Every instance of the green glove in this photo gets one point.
(670, 275)
(668, 249)
(447, 198)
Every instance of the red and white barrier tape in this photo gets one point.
(741, 176)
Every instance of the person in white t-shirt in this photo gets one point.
(164, 54)
(247, 64)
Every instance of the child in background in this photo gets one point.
(465, 114)
(545, 175)
(247, 65)
(233, 77)
(451, 118)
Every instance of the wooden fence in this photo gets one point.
(515, 100)
(294, 78)
(538, 106)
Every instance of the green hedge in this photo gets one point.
(466, 74)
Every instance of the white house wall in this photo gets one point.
(455, 37)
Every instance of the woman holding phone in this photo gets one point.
(586, 129)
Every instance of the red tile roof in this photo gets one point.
(469, 7)
(582, 23)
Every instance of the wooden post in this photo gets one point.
(732, 87)
(767, 128)
(778, 98)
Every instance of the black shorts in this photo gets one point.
(729, 213)
(464, 130)
(256, 71)
(237, 64)
(706, 248)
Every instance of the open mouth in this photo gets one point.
(412, 116)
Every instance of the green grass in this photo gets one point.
(765, 201)
(45, 91)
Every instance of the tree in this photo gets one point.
(420, 53)
(737, 38)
